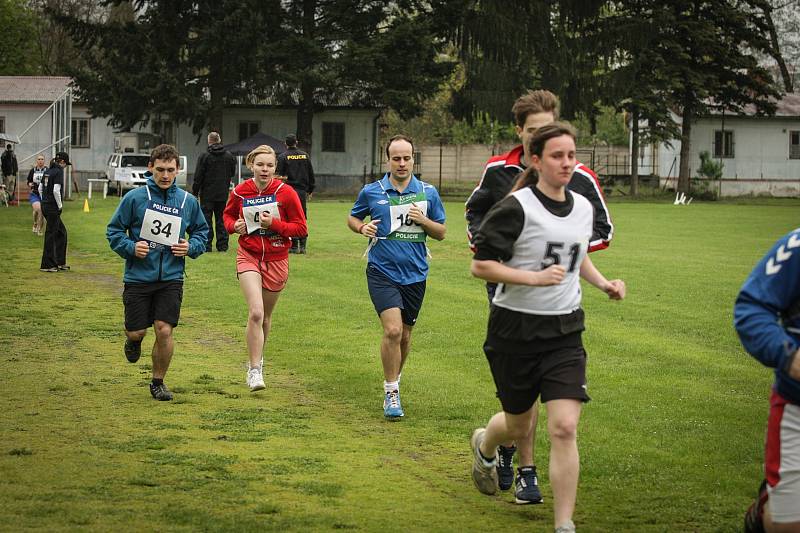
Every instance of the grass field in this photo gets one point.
(672, 440)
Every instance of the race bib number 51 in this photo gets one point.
(161, 224)
(253, 207)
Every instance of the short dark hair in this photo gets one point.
(8, 147)
(536, 147)
(533, 102)
(165, 152)
(399, 137)
(291, 140)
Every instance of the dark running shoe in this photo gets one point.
(160, 392)
(133, 350)
(505, 466)
(527, 486)
(754, 517)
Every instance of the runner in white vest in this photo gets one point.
(534, 244)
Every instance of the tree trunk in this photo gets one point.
(776, 51)
(216, 89)
(635, 151)
(305, 116)
(305, 109)
(686, 144)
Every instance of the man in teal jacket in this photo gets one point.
(148, 230)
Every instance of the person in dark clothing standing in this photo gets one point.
(54, 255)
(10, 170)
(212, 184)
(296, 166)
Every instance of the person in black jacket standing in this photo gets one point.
(10, 170)
(54, 255)
(212, 184)
(296, 166)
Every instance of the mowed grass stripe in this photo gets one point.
(678, 411)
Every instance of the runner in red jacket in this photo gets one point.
(266, 213)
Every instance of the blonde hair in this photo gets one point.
(258, 150)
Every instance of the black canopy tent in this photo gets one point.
(245, 146)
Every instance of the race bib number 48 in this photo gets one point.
(253, 207)
(161, 224)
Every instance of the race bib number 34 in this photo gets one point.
(162, 224)
(253, 207)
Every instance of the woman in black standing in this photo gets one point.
(54, 255)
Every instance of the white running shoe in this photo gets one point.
(255, 379)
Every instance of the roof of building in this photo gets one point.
(787, 107)
(32, 89)
(45, 89)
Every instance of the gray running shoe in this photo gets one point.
(484, 475)
(160, 392)
(567, 527)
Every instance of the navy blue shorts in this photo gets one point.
(386, 294)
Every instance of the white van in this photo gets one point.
(126, 171)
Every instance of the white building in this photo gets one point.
(344, 146)
(761, 155)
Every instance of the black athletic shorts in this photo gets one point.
(386, 294)
(554, 375)
(147, 302)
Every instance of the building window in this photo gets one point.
(248, 129)
(333, 136)
(80, 133)
(165, 130)
(2, 124)
(723, 144)
(794, 145)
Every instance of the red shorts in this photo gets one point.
(782, 459)
(273, 273)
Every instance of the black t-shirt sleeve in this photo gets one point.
(499, 231)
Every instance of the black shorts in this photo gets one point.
(147, 302)
(557, 374)
(386, 294)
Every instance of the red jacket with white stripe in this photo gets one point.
(271, 244)
(498, 178)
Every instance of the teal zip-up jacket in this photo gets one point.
(159, 264)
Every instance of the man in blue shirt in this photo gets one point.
(767, 319)
(403, 211)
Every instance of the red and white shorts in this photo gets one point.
(274, 274)
(782, 459)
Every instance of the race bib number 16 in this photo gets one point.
(161, 224)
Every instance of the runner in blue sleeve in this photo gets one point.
(149, 230)
(403, 211)
(767, 319)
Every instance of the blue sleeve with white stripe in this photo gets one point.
(435, 206)
(361, 207)
(772, 288)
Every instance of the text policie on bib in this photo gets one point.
(252, 209)
(162, 224)
(403, 228)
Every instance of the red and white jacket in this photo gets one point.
(274, 243)
(499, 176)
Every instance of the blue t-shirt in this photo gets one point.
(399, 251)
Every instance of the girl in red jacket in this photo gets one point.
(266, 213)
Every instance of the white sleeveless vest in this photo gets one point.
(547, 239)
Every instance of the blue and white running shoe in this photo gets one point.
(391, 405)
